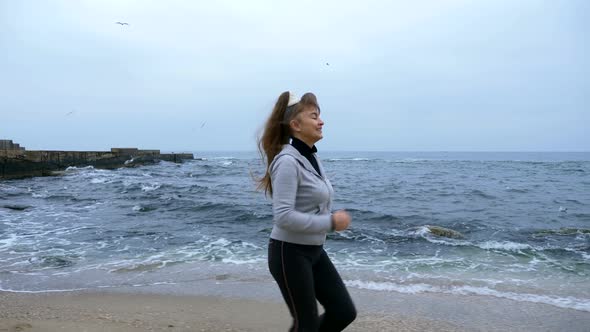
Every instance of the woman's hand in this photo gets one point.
(340, 220)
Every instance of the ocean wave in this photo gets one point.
(16, 207)
(424, 232)
(99, 180)
(372, 216)
(9, 242)
(445, 241)
(50, 261)
(452, 239)
(60, 197)
(151, 263)
(79, 169)
(412, 160)
(563, 232)
(581, 216)
(141, 208)
(12, 191)
(206, 249)
(150, 187)
(509, 246)
(583, 251)
(349, 159)
(243, 261)
(11, 290)
(356, 236)
(504, 245)
(223, 158)
(479, 193)
(562, 302)
(517, 190)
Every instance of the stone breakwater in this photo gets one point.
(16, 162)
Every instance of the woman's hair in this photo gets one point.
(277, 131)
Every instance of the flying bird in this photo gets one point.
(327, 64)
(203, 125)
(70, 113)
(122, 23)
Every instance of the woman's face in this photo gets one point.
(307, 126)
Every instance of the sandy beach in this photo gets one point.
(144, 310)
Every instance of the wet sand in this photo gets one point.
(146, 311)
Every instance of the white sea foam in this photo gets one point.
(41, 291)
(222, 158)
(219, 242)
(250, 245)
(409, 160)
(7, 187)
(487, 245)
(350, 159)
(425, 233)
(422, 231)
(243, 261)
(151, 187)
(584, 255)
(74, 168)
(154, 284)
(389, 286)
(8, 242)
(505, 245)
(562, 302)
(147, 264)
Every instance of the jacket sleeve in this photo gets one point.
(284, 184)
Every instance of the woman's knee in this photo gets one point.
(349, 314)
(344, 315)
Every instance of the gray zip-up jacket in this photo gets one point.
(301, 200)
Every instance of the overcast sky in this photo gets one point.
(464, 75)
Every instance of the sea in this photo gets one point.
(515, 225)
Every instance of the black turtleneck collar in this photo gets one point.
(307, 152)
(302, 147)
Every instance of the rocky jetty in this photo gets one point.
(17, 162)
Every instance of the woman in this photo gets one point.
(302, 199)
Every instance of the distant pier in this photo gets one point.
(17, 162)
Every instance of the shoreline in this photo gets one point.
(257, 306)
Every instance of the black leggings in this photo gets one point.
(305, 273)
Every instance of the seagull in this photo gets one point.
(70, 113)
(122, 23)
(203, 125)
(327, 64)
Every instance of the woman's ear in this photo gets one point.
(295, 127)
